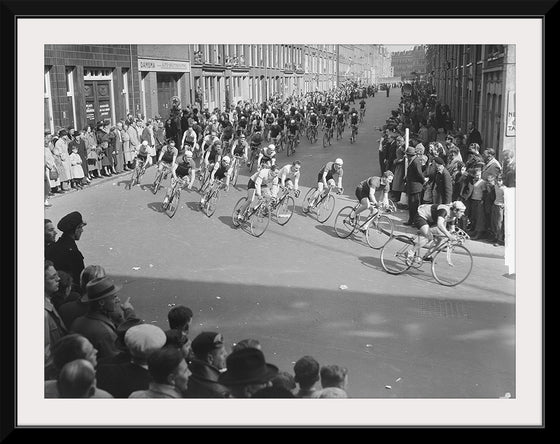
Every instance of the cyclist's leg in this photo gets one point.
(320, 188)
(250, 197)
(425, 237)
(364, 205)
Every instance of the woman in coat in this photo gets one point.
(62, 162)
(118, 145)
(91, 147)
(51, 185)
(128, 158)
(398, 185)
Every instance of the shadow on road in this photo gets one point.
(155, 206)
(327, 229)
(194, 206)
(226, 220)
(125, 183)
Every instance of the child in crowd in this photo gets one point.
(497, 214)
(76, 168)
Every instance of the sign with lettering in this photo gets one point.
(104, 110)
(510, 117)
(163, 65)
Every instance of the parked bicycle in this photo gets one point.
(451, 261)
(380, 227)
(257, 217)
(324, 203)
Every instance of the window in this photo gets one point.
(48, 113)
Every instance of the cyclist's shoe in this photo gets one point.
(409, 259)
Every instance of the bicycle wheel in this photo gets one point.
(343, 225)
(235, 173)
(211, 204)
(157, 182)
(379, 232)
(166, 200)
(285, 210)
(452, 265)
(394, 254)
(204, 183)
(173, 203)
(259, 220)
(325, 208)
(133, 179)
(236, 208)
(325, 140)
(307, 199)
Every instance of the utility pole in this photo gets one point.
(337, 65)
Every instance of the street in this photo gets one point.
(301, 290)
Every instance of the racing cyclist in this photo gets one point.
(325, 178)
(265, 178)
(167, 156)
(365, 193)
(289, 172)
(267, 156)
(221, 171)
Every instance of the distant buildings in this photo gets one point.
(410, 64)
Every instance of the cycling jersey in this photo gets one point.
(293, 129)
(214, 154)
(286, 173)
(354, 119)
(239, 148)
(275, 130)
(313, 119)
(328, 122)
(262, 177)
(256, 139)
(221, 172)
(209, 141)
(331, 172)
(270, 120)
(169, 153)
(429, 213)
(281, 122)
(266, 156)
(185, 167)
(365, 186)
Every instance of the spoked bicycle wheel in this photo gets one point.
(173, 203)
(379, 232)
(285, 210)
(236, 209)
(394, 254)
(157, 182)
(343, 225)
(307, 199)
(452, 265)
(325, 208)
(259, 220)
(133, 179)
(211, 204)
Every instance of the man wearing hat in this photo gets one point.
(121, 380)
(414, 183)
(97, 325)
(64, 253)
(443, 183)
(209, 361)
(247, 372)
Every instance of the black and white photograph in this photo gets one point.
(329, 217)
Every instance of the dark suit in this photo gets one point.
(414, 186)
(203, 382)
(474, 137)
(443, 188)
(100, 330)
(66, 257)
(120, 380)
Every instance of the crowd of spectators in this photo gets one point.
(96, 346)
(443, 164)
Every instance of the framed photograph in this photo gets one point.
(418, 348)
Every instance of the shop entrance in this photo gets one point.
(166, 88)
(98, 101)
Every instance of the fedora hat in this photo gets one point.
(100, 288)
(247, 366)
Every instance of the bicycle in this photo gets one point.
(211, 198)
(362, 114)
(452, 262)
(324, 203)
(137, 173)
(284, 206)
(327, 137)
(160, 175)
(354, 133)
(291, 147)
(380, 227)
(312, 133)
(339, 130)
(235, 169)
(257, 217)
(171, 200)
(253, 156)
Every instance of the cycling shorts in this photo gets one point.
(360, 194)
(182, 170)
(419, 222)
(142, 157)
(251, 185)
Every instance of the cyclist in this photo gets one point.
(227, 133)
(328, 124)
(340, 121)
(208, 141)
(433, 219)
(354, 121)
(274, 133)
(363, 107)
(240, 148)
(265, 178)
(269, 121)
(267, 156)
(257, 124)
(221, 171)
(293, 130)
(346, 110)
(144, 154)
(212, 156)
(212, 126)
(289, 172)
(167, 156)
(242, 125)
(313, 120)
(184, 167)
(326, 177)
(365, 193)
(256, 141)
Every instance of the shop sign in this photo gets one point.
(163, 65)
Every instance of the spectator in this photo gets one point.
(148, 135)
(134, 140)
(76, 380)
(285, 380)
(64, 292)
(121, 380)
(423, 133)
(475, 205)
(208, 363)
(441, 135)
(473, 135)
(80, 142)
(61, 154)
(508, 168)
(118, 157)
(458, 176)
(247, 372)
(52, 181)
(473, 159)
(50, 235)
(124, 356)
(491, 166)
(169, 373)
(334, 376)
(176, 339)
(497, 215)
(443, 184)
(398, 185)
(453, 159)
(306, 371)
(65, 253)
(159, 136)
(247, 343)
(273, 392)
(106, 158)
(127, 152)
(432, 132)
(97, 325)
(330, 392)
(414, 183)
(179, 318)
(76, 171)
(94, 166)
(68, 349)
(54, 326)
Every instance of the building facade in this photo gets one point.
(84, 84)
(365, 64)
(478, 84)
(409, 64)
